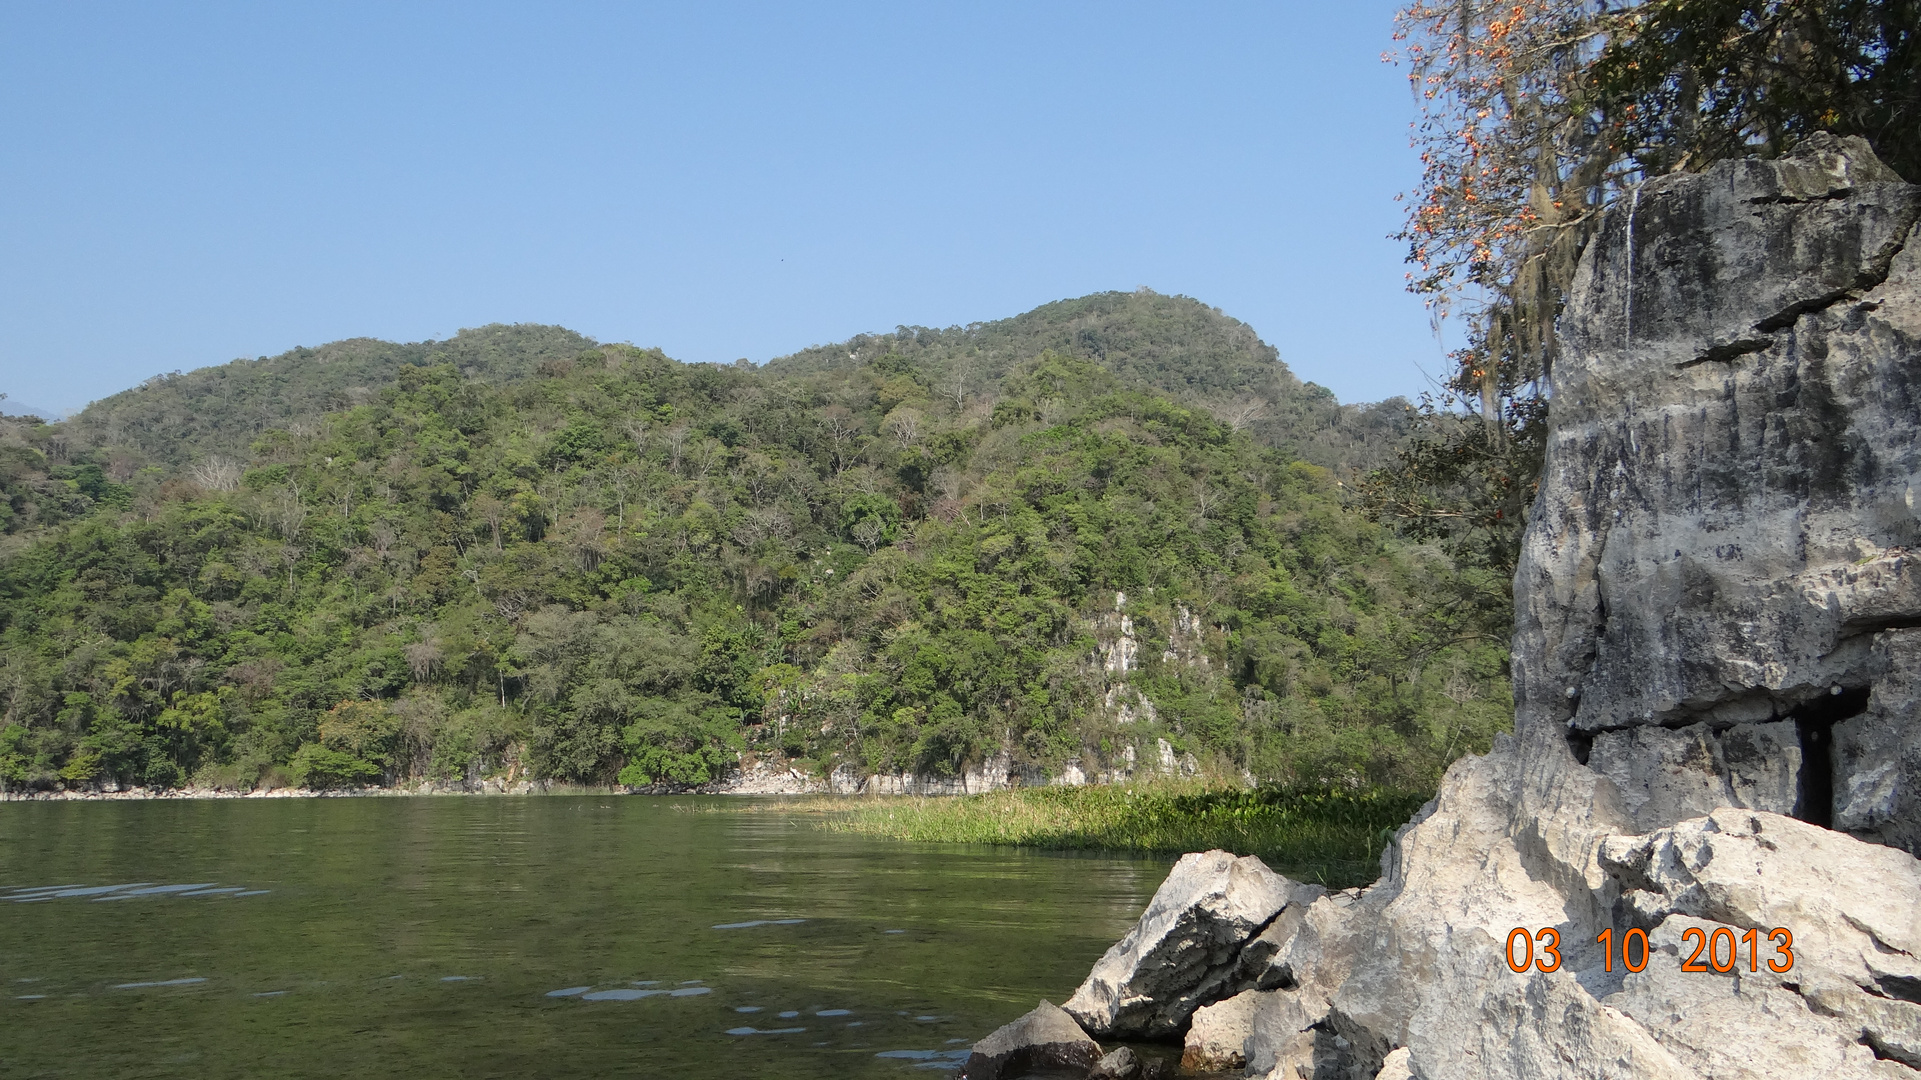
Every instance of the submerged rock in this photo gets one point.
(1046, 1038)
(1117, 1064)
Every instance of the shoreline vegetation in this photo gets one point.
(1328, 836)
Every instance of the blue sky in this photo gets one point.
(184, 184)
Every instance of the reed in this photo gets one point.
(1332, 836)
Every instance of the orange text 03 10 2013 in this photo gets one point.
(1716, 950)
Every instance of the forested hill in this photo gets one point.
(177, 418)
(625, 568)
(1175, 344)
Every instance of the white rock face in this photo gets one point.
(1717, 656)
(1725, 503)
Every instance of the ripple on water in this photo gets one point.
(569, 992)
(690, 991)
(168, 982)
(789, 1014)
(765, 1031)
(747, 1008)
(622, 994)
(162, 890)
(456, 978)
(132, 890)
(835, 1012)
(925, 1055)
(758, 922)
(98, 890)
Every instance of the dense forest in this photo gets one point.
(522, 553)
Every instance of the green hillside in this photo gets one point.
(1174, 344)
(620, 567)
(177, 418)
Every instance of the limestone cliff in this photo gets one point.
(1717, 651)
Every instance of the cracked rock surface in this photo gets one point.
(1719, 540)
(1185, 951)
(1717, 664)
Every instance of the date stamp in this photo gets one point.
(1540, 949)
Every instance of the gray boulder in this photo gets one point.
(1185, 951)
(1046, 1038)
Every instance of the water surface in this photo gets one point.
(527, 937)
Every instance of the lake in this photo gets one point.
(555, 936)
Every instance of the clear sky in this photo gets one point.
(182, 184)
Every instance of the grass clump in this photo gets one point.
(1331, 836)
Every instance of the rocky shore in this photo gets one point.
(1695, 859)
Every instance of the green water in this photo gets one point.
(426, 936)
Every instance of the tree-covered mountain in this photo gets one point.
(625, 568)
(177, 418)
(1176, 344)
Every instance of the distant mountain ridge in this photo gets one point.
(174, 418)
(11, 407)
(1173, 344)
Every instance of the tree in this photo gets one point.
(1538, 114)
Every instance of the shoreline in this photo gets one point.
(758, 779)
(519, 788)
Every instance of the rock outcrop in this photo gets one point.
(1045, 1039)
(1716, 658)
(1187, 949)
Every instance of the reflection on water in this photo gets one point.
(759, 922)
(132, 891)
(355, 936)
